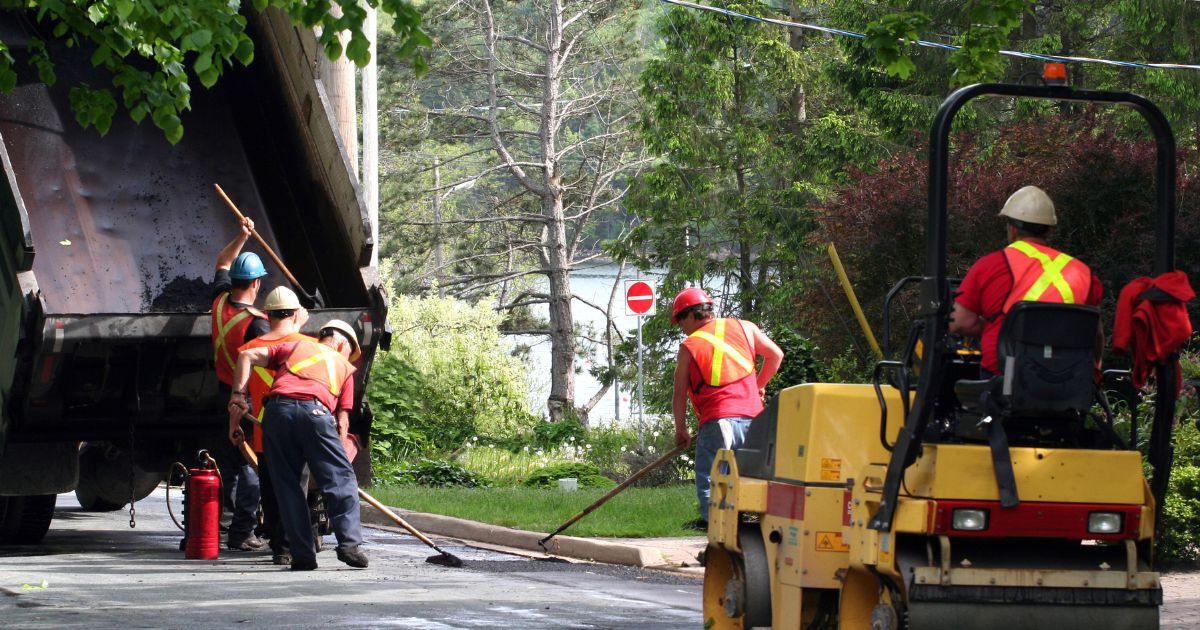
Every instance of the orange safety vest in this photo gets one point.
(318, 362)
(721, 352)
(261, 379)
(229, 324)
(1044, 274)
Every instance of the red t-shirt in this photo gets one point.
(984, 291)
(292, 386)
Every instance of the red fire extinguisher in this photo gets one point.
(202, 510)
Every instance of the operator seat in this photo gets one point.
(1047, 352)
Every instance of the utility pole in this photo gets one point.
(370, 132)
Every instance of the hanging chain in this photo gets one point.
(132, 494)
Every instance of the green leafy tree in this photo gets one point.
(898, 84)
(528, 111)
(156, 49)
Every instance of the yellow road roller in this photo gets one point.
(937, 497)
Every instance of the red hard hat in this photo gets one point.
(690, 296)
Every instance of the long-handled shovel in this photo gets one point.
(445, 558)
(612, 493)
(314, 299)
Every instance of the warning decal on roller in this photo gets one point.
(831, 469)
(831, 541)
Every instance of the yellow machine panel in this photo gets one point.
(828, 432)
(961, 471)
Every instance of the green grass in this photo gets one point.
(634, 513)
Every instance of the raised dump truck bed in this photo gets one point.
(108, 251)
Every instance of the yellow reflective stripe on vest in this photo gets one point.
(1051, 273)
(720, 349)
(268, 378)
(324, 356)
(223, 329)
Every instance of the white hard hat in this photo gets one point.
(347, 331)
(281, 299)
(1030, 205)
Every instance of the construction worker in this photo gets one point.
(234, 322)
(286, 317)
(1027, 269)
(307, 417)
(716, 369)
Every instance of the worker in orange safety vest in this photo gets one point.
(286, 317)
(238, 277)
(716, 368)
(1027, 269)
(306, 421)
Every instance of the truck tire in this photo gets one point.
(90, 501)
(27, 519)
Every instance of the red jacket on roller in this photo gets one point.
(1152, 322)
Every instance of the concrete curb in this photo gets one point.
(568, 546)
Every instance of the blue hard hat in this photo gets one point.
(247, 266)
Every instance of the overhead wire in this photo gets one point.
(933, 44)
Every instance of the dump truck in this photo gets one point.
(108, 249)
(896, 505)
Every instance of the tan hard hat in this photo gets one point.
(281, 299)
(348, 331)
(1031, 205)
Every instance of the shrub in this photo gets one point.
(449, 377)
(551, 434)
(1178, 539)
(438, 473)
(588, 475)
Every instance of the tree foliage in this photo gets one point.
(156, 49)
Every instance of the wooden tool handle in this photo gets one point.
(395, 517)
(270, 252)
(611, 493)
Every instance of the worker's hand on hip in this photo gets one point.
(762, 393)
(683, 439)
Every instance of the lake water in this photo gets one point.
(593, 284)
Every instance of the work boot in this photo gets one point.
(281, 558)
(352, 556)
(699, 524)
(249, 543)
(304, 565)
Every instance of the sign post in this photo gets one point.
(639, 300)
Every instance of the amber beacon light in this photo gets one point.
(1055, 74)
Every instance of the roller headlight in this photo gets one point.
(1104, 522)
(969, 519)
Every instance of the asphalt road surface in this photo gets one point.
(94, 571)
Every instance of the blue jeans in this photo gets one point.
(710, 439)
(296, 432)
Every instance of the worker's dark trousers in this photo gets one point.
(299, 432)
(240, 485)
(270, 507)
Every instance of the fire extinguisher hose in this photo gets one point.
(207, 459)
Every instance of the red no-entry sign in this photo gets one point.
(639, 297)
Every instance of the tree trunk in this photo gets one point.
(562, 329)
